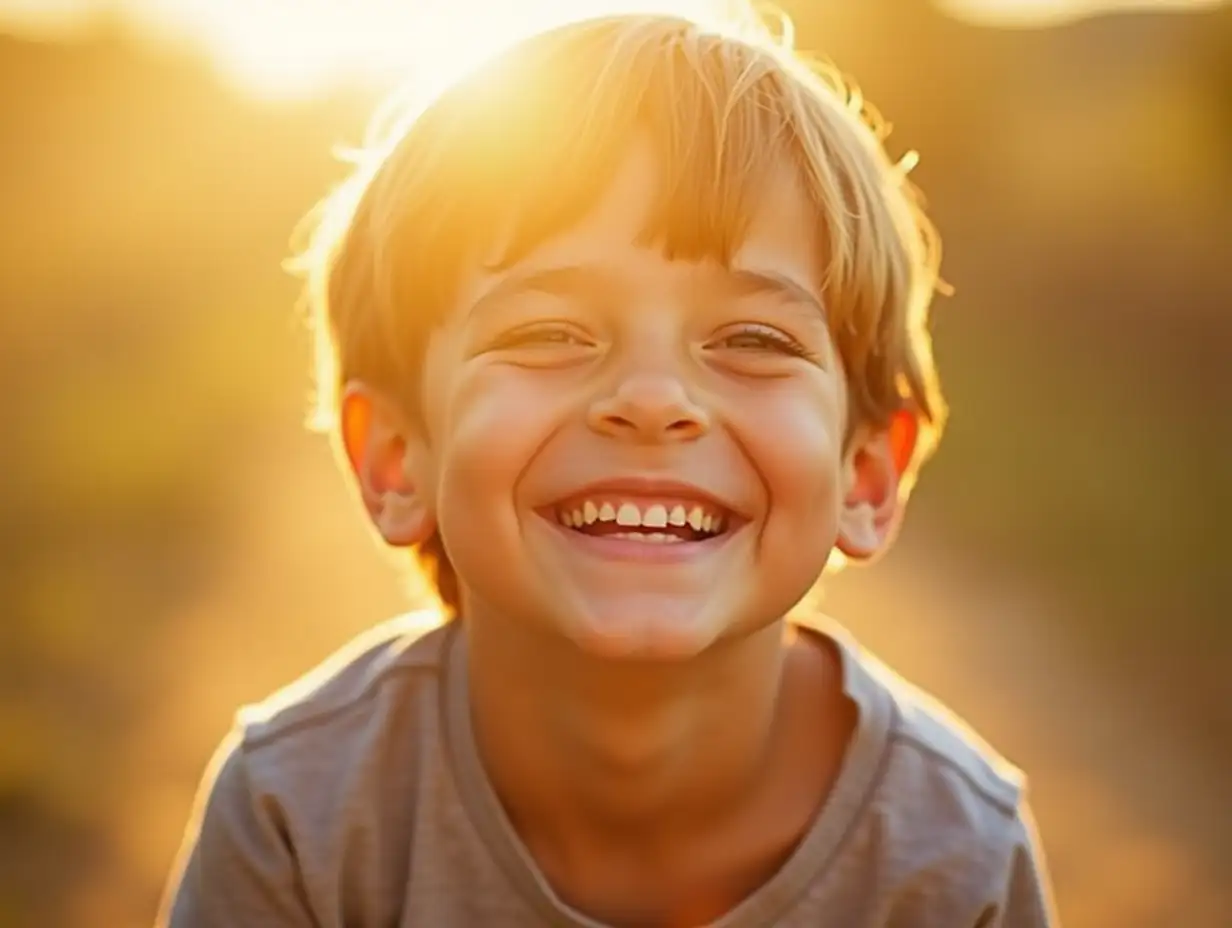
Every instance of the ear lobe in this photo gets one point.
(874, 469)
(382, 453)
(403, 520)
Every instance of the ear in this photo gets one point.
(873, 472)
(388, 460)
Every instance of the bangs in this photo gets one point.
(714, 122)
(524, 148)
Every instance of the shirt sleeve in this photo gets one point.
(236, 865)
(1026, 899)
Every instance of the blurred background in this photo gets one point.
(175, 542)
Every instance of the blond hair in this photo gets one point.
(527, 144)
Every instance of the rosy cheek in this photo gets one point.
(794, 435)
(496, 417)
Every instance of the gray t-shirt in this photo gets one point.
(356, 798)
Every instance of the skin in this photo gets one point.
(697, 740)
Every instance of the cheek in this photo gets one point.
(494, 420)
(795, 439)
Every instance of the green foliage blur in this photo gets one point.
(1081, 177)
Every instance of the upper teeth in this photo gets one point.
(653, 515)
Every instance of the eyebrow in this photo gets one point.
(560, 281)
(757, 283)
(578, 278)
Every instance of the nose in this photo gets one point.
(649, 408)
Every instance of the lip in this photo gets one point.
(639, 552)
(651, 487)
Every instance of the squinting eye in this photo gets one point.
(764, 338)
(542, 335)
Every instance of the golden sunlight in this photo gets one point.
(1012, 13)
(299, 48)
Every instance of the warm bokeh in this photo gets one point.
(175, 543)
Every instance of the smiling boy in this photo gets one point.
(626, 337)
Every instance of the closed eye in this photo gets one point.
(546, 335)
(761, 337)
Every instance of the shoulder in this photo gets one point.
(353, 742)
(359, 678)
(353, 725)
(310, 798)
(928, 746)
(947, 814)
(931, 742)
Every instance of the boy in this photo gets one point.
(626, 334)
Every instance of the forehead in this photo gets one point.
(780, 235)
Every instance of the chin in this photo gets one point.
(649, 630)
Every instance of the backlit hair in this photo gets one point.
(529, 141)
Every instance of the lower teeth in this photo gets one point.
(654, 538)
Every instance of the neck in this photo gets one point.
(581, 749)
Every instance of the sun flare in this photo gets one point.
(300, 47)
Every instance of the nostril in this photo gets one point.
(648, 410)
(621, 423)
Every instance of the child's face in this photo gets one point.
(641, 454)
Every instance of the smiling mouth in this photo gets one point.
(661, 522)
